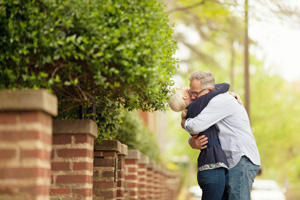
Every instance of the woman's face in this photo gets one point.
(186, 97)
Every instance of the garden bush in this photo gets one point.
(99, 57)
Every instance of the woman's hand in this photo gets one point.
(235, 95)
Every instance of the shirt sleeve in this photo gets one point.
(215, 111)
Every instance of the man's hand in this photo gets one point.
(199, 142)
(235, 95)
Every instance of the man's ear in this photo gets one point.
(210, 89)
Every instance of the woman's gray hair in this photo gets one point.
(206, 78)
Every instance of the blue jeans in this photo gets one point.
(212, 183)
(239, 180)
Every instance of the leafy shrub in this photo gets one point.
(114, 55)
(137, 136)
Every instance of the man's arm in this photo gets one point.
(216, 110)
(198, 142)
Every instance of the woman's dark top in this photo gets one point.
(213, 156)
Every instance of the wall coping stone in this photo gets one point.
(151, 165)
(75, 126)
(133, 154)
(144, 160)
(108, 145)
(124, 150)
(28, 100)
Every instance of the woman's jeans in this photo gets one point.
(212, 183)
(239, 180)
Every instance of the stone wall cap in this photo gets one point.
(133, 154)
(124, 149)
(108, 145)
(151, 164)
(75, 126)
(144, 160)
(28, 100)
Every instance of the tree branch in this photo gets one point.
(182, 8)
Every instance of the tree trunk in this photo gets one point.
(246, 62)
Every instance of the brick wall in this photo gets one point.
(150, 180)
(106, 169)
(72, 158)
(142, 177)
(121, 173)
(131, 175)
(25, 143)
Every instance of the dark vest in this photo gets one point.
(214, 152)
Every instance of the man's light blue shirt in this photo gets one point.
(235, 134)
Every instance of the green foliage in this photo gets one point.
(112, 54)
(137, 136)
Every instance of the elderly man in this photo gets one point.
(235, 135)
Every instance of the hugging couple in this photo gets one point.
(219, 126)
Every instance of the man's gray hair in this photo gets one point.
(206, 78)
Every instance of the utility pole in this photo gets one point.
(246, 62)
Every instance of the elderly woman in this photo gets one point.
(212, 162)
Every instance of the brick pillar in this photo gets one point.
(164, 182)
(121, 172)
(173, 184)
(150, 180)
(72, 158)
(142, 177)
(105, 169)
(156, 182)
(25, 143)
(131, 175)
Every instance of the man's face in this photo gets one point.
(196, 90)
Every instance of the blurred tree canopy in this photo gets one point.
(219, 49)
(97, 57)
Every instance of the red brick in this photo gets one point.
(132, 185)
(62, 139)
(6, 154)
(23, 173)
(22, 135)
(60, 166)
(73, 179)
(60, 191)
(133, 193)
(120, 193)
(131, 177)
(75, 153)
(108, 174)
(8, 117)
(36, 153)
(98, 154)
(108, 194)
(110, 154)
(35, 189)
(132, 169)
(82, 166)
(36, 116)
(96, 192)
(101, 162)
(104, 184)
(84, 139)
(86, 192)
(131, 162)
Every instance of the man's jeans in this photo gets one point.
(239, 180)
(212, 183)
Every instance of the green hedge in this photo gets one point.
(117, 54)
(137, 136)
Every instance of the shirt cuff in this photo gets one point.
(185, 125)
